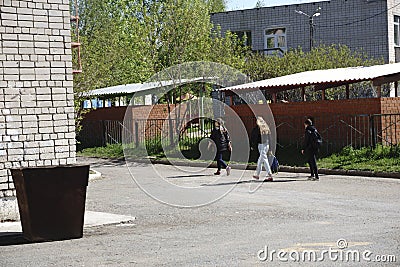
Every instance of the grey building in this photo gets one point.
(371, 26)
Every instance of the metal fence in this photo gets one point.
(337, 131)
(151, 132)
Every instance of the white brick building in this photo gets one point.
(36, 93)
(372, 26)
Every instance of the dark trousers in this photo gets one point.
(220, 162)
(312, 161)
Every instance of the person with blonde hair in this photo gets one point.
(222, 141)
(261, 137)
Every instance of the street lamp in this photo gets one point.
(311, 21)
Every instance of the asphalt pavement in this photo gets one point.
(337, 221)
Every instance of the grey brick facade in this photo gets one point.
(36, 93)
(362, 25)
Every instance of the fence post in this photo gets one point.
(372, 130)
(104, 135)
(136, 134)
(171, 131)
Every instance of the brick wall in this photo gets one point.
(315, 108)
(156, 111)
(390, 105)
(341, 122)
(110, 113)
(135, 119)
(390, 123)
(36, 89)
(159, 111)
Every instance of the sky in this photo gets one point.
(246, 4)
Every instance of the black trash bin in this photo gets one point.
(51, 201)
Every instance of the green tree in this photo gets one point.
(216, 5)
(181, 31)
(125, 41)
(113, 50)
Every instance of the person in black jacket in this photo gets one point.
(310, 150)
(222, 141)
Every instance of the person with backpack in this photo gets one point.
(312, 143)
(261, 138)
(222, 141)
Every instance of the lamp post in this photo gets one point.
(311, 22)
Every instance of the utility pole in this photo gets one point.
(311, 23)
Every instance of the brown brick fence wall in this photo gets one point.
(354, 122)
(341, 122)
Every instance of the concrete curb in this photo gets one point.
(91, 219)
(393, 175)
(94, 176)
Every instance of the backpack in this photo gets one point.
(274, 165)
(316, 140)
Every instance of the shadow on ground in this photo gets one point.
(12, 238)
(186, 176)
(253, 181)
(17, 238)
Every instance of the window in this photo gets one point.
(397, 30)
(244, 36)
(275, 41)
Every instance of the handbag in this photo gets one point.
(274, 164)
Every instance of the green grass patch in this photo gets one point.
(380, 159)
(109, 151)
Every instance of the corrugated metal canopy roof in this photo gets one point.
(140, 87)
(322, 79)
(116, 90)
